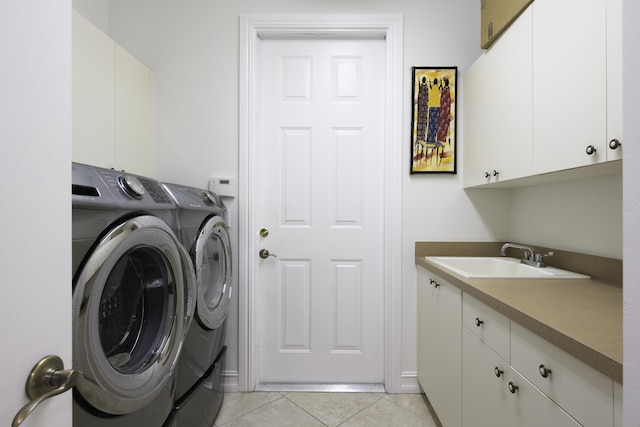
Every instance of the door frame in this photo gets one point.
(253, 28)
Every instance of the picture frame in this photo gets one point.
(433, 120)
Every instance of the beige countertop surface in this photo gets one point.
(581, 316)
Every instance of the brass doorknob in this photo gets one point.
(48, 378)
(264, 254)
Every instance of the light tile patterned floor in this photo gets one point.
(266, 409)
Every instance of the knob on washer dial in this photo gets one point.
(131, 185)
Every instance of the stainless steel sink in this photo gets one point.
(500, 267)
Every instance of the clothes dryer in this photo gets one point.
(133, 299)
(201, 224)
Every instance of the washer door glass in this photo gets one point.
(132, 304)
(136, 309)
(212, 258)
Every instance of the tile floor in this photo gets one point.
(301, 409)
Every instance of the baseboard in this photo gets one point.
(231, 382)
(409, 383)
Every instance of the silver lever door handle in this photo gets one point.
(264, 254)
(48, 378)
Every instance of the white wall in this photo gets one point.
(580, 216)
(192, 47)
(631, 174)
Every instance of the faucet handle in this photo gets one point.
(539, 257)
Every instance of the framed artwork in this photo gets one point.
(433, 122)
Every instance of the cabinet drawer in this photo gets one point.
(529, 407)
(494, 394)
(586, 394)
(487, 324)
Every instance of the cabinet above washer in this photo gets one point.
(113, 103)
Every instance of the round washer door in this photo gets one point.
(132, 305)
(211, 253)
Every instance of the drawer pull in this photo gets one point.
(479, 322)
(544, 371)
(434, 283)
(498, 372)
(614, 144)
(512, 387)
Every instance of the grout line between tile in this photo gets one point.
(239, 415)
(363, 409)
(301, 408)
(287, 395)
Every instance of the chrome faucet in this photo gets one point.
(529, 256)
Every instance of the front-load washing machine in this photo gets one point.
(201, 224)
(133, 299)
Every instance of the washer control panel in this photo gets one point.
(131, 185)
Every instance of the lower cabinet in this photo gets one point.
(440, 346)
(582, 391)
(495, 394)
(484, 389)
(478, 368)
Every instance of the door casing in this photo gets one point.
(252, 29)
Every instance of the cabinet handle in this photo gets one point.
(495, 173)
(498, 372)
(479, 322)
(513, 388)
(434, 283)
(487, 175)
(544, 371)
(614, 144)
(591, 149)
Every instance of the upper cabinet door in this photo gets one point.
(569, 83)
(113, 103)
(93, 107)
(134, 115)
(498, 108)
(614, 79)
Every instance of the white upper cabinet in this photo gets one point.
(93, 107)
(562, 107)
(134, 115)
(113, 103)
(614, 79)
(570, 83)
(498, 108)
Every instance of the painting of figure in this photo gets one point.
(433, 130)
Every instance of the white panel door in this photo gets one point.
(35, 212)
(321, 142)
